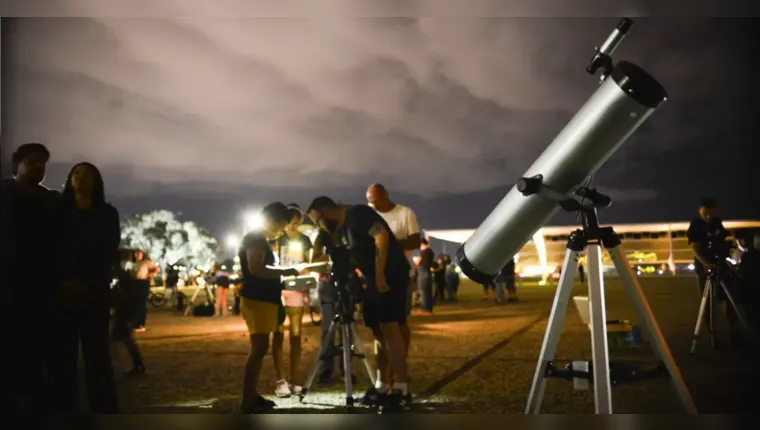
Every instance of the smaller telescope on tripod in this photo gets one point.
(347, 285)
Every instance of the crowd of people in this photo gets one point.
(78, 232)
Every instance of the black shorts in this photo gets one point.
(388, 307)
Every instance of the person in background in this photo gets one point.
(260, 299)
(425, 276)
(87, 248)
(142, 271)
(489, 291)
(123, 326)
(505, 280)
(222, 282)
(452, 281)
(749, 276)
(30, 217)
(294, 248)
(707, 238)
(581, 273)
(237, 286)
(439, 277)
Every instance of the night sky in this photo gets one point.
(211, 116)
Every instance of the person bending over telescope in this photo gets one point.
(381, 260)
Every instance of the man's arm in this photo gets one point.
(413, 239)
(382, 245)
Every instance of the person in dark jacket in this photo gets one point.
(29, 217)
(88, 246)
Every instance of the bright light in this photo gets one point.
(295, 246)
(690, 267)
(232, 241)
(731, 260)
(638, 272)
(660, 272)
(224, 267)
(253, 221)
(532, 270)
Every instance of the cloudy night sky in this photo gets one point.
(211, 116)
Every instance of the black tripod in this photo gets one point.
(343, 320)
(716, 278)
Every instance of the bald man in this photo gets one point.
(404, 226)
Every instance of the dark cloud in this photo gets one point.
(427, 106)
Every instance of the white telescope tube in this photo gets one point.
(616, 109)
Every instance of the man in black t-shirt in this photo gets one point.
(381, 260)
(260, 299)
(707, 238)
(425, 276)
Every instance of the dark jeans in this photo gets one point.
(452, 285)
(440, 286)
(140, 302)
(122, 332)
(327, 299)
(27, 382)
(425, 286)
(85, 325)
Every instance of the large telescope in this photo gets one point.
(626, 98)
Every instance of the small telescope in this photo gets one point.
(626, 97)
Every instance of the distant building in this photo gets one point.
(651, 248)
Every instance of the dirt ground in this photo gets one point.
(473, 356)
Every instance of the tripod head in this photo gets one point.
(603, 57)
(345, 281)
(535, 186)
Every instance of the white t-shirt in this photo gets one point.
(403, 224)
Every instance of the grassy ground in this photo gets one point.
(470, 357)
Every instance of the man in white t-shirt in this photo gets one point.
(403, 223)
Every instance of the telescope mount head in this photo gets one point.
(603, 56)
(591, 199)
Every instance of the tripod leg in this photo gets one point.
(700, 317)
(317, 360)
(598, 316)
(553, 329)
(646, 318)
(346, 342)
(360, 348)
(732, 303)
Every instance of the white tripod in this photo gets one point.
(592, 237)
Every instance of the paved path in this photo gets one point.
(469, 357)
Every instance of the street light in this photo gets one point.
(252, 221)
(232, 241)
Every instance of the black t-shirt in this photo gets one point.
(358, 234)
(711, 237)
(88, 246)
(293, 250)
(427, 258)
(255, 288)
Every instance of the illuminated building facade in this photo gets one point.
(651, 248)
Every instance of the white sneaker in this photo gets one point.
(282, 389)
(296, 389)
